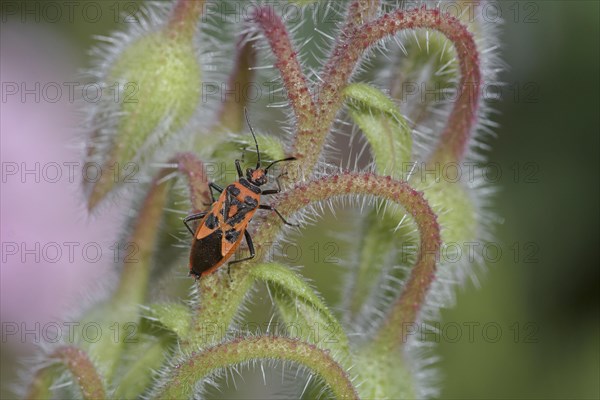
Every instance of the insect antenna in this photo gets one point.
(254, 136)
(278, 161)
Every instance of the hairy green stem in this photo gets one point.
(217, 302)
(184, 376)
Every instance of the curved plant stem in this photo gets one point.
(347, 54)
(79, 365)
(359, 12)
(406, 309)
(183, 377)
(220, 298)
(352, 184)
(294, 80)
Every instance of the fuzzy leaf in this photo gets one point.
(173, 316)
(384, 127)
(302, 309)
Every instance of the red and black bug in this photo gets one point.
(220, 230)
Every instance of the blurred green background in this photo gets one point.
(554, 128)
(543, 292)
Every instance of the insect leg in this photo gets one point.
(271, 208)
(239, 169)
(273, 191)
(216, 187)
(250, 248)
(193, 217)
(270, 191)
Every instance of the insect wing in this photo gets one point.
(233, 236)
(237, 213)
(213, 220)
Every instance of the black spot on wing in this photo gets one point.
(233, 189)
(206, 252)
(238, 217)
(232, 235)
(251, 201)
(211, 221)
(249, 204)
(230, 201)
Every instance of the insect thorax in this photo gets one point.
(248, 185)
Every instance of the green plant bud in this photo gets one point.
(162, 76)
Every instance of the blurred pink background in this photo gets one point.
(42, 211)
